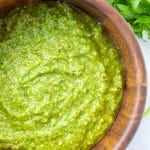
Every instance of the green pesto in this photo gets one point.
(60, 79)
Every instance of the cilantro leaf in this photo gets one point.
(136, 12)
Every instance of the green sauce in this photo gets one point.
(60, 79)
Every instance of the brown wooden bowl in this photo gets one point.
(132, 107)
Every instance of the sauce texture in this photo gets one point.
(61, 81)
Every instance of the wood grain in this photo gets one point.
(6, 3)
(132, 107)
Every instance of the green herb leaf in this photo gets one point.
(136, 12)
(126, 11)
(135, 3)
(147, 112)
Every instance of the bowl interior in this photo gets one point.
(134, 69)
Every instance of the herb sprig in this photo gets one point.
(137, 13)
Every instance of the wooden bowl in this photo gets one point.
(132, 107)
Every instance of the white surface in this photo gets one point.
(141, 140)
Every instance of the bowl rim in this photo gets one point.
(122, 130)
